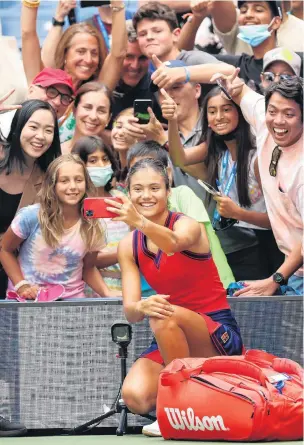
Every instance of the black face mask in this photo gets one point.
(226, 137)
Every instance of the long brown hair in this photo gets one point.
(50, 212)
(65, 43)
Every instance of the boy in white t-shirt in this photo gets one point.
(277, 120)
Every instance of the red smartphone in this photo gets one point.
(97, 207)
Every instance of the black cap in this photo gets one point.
(275, 6)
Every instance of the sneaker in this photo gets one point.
(152, 430)
(11, 429)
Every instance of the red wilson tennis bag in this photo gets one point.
(252, 397)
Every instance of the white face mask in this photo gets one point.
(100, 176)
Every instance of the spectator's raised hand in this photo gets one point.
(63, 8)
(233, 84)
(165, 77)
(226, 207)
(133, 129)
(168, 107)
(154, 130)
(8, 107)
(201, 8)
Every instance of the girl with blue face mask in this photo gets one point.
(102, 167)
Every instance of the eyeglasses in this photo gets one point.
(270, 77)
(52, 93)
(224, 224)
(274, 161)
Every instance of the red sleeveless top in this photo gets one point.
(191, 279)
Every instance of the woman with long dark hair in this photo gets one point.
(32, 144)
(226, 159)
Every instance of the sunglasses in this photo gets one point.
(270, 77)
(274, 161)
(52, 93)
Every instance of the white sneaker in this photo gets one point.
(152, 430)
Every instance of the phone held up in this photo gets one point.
(223, 89)
(97, 207)
(140, 107)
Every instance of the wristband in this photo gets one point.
(143, 224)
(31, 3)
(187, 74)
(117, 8)
(20, 284)
(56, 22)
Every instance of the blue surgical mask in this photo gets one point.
(100, 176)
(254, 35)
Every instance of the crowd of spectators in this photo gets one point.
(224, 81)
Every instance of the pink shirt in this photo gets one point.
(283, 193)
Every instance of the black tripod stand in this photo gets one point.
(118, 406)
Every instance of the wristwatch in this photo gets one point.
(279, 279)
(57, 23)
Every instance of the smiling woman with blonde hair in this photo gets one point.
(79, 50)
(57, 245)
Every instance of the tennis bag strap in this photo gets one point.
(242, 398)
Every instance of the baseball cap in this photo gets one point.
(169, 64)
(283, 55)
(52, 76)
(275, 6)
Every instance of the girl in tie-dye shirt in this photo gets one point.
(57, 245)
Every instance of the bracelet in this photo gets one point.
(143, 223)
(20, 284)
(56, 22)
(31, 3)
(187, 74)
(117, 8)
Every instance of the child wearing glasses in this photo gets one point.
(277, 121)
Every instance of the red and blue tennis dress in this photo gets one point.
(192, 281)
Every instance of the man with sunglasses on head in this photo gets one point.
(277, 120)
(51, 85)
